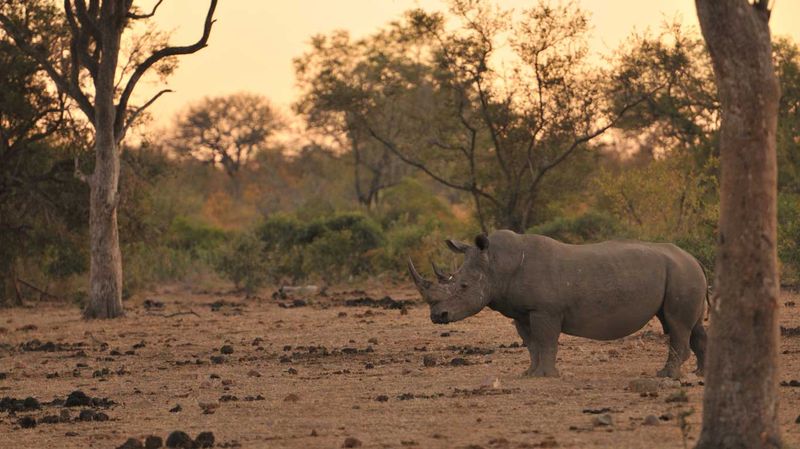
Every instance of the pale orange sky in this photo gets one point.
(253, 42)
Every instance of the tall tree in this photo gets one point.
(437, 98)
(89, 73)
(741, 397)
(228, 131)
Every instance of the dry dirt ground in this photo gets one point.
(313, 376)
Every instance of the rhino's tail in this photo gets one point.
(709, 290)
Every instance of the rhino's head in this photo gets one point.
(461, 294)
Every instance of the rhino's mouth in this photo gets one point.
(440, 317)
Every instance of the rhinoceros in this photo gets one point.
(601, 291)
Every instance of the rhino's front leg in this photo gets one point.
(544, 331)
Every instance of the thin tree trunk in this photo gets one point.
(105, 269)
(105, 298)
(741, 397)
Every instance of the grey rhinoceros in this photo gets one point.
(602, 291)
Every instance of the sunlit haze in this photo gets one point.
(254, 41)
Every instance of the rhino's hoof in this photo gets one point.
(540, 373)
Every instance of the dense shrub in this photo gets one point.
(588, 227)
(332, 248)
(789, 236)
(242, 262)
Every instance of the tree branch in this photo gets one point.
(132, 117)
(135, 16)
(65, 85)
(154, 58)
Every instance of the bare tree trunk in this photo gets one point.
(741, 396)
(105, 297)
(105, 268)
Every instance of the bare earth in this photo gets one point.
(315, 375)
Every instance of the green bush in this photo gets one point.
(198, 239)
(334, 247)
(242, 262)
(588, 227)
(789, 236)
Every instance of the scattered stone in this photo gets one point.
(459, 361)
(790, 331)
(602, 420)
(373, 341)
(291, 371)
(313, 432)
(291, 397)
(204, 440)
(797, 421)
(597, 411)
(180, 439)
(253, 373)
(644, 385)
(429, 360)
(209, 407)
(153, 304)
(382, 398)
(791, 383)
(153, 442)
(384, 303)
(131, 443)
(227, 349)
(650, 420)
(19, 405)
(217, 359)
(351, 442)
(27, 422)
(176, 409)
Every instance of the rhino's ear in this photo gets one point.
(482, 242)
(456, 246)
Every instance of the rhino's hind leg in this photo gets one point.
(678, 350)
(697, 341)
(543, 345)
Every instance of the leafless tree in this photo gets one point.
(89, 73)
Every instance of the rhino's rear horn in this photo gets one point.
(422, 284)
(441, 275)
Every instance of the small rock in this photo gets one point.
(27, 422)
(179, 439)
(490, 383)
(797, 421)
(176, 409)
(650, 420)
(253, 373)
(291, 397)
(131, 443)
(86, 415)
(313, 432)
(204, 439)
(291, 371)
(373, 341)
(382, 398)
(459, 361)
(217, 359)
(644, 385)
(227, 349)
(78, 399)
(602, 420)
(429, 360)
(153, 442)
(351, 442)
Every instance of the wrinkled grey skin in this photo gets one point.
(602, 291)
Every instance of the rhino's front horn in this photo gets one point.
(421, 283)
(442, 276)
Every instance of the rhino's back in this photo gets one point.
(604, 290)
